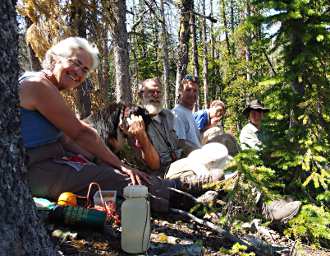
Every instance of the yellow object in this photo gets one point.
(67, 198)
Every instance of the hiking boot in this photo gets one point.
(280, 210)
(194, 184)
(208, 197)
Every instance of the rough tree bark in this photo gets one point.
(20, 229)
(104, 64)
(186, 7)
(120, 48)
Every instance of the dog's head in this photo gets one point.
(137, 111)
(112, 125)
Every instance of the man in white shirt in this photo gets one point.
(185, 125)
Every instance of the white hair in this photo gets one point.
(66, 47)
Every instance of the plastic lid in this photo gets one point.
(135, 191)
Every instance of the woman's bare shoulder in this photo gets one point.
(35, 89)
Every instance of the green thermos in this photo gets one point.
(78, 216)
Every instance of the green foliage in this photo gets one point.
(311, 225)
(298, 145)
(254, 178)
(324, 198)
(237, 249)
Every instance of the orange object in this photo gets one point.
(67, 198)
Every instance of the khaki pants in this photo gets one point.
(49, 179)
(179, 169)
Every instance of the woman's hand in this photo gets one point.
(137, 177)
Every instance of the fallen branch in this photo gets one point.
(252, 243)
(184, 193)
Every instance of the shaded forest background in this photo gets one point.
(277, 51)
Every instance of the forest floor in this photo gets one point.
(171, 235)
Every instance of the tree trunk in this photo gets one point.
(98, 33)
(194, 52)
(20, 228)
(120, 48)
(205, 60)
(33, 60)
(296, 48)
(225, 25)
(182, 62)
(82, 93)
(211, 33)
(232, 22)
(248, 43)
(165, 55)
(106, 67)
(133, 43)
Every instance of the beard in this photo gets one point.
(152, 107)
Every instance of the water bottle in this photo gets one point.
(135, 219)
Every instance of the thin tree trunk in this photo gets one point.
(205, 60)
(182, 62)
(248, 43)
(165, 55)
(297, 47)
(20, 228)
(232, 22)
(194, 53)
(225, 25)
(156, 42)
(211, 33)
(133, 43)
(120, 48)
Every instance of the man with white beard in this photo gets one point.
(159, 138)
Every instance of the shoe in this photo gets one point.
(194, 184)
(208, 197)
(280, 210)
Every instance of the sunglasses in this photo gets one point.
(190, 78)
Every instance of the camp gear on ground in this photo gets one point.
(78, 216)
(67, 198)
(43, 203)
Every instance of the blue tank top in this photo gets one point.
(36, 129)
